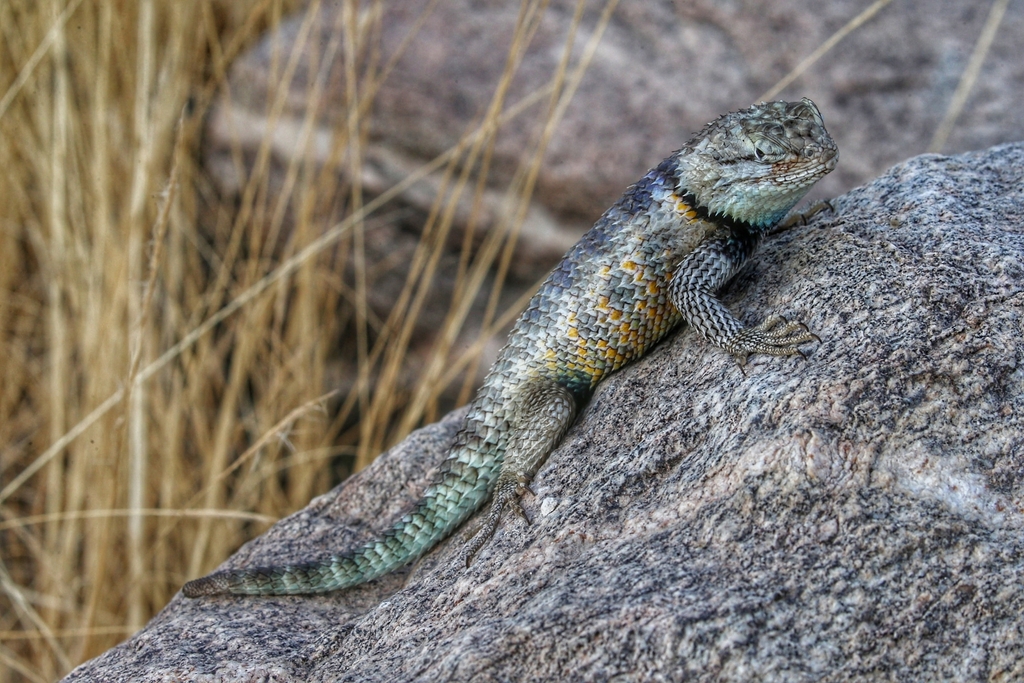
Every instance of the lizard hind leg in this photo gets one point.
(542, 413)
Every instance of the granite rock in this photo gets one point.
(855, 516)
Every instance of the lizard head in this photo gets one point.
(754, 165)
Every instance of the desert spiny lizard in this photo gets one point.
(655, 259)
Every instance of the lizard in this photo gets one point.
(654, 260)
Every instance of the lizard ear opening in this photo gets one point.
(767, 148)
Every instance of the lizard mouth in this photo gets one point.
(832, 160)
(806, 174)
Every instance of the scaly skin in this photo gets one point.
(653, 260)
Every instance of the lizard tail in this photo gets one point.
(463, 487)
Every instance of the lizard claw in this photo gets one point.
(520, 512)
(804, 217)
(506, 494)
(524, 486)
(775, 336)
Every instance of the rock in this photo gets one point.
(854, 516)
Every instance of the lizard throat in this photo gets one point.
(739, 228)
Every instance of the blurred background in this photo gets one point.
(246, 245)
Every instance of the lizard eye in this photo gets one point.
(766, 150)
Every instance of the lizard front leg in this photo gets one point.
(693, 291)
(542, 413)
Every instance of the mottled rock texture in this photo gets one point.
(856, 516)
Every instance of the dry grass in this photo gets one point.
(163, 356)
(163, 397)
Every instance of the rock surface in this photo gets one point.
(856, 516)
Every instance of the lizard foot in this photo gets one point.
(803, 218)
(543, 412)
(506, 494)
(776, 336)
